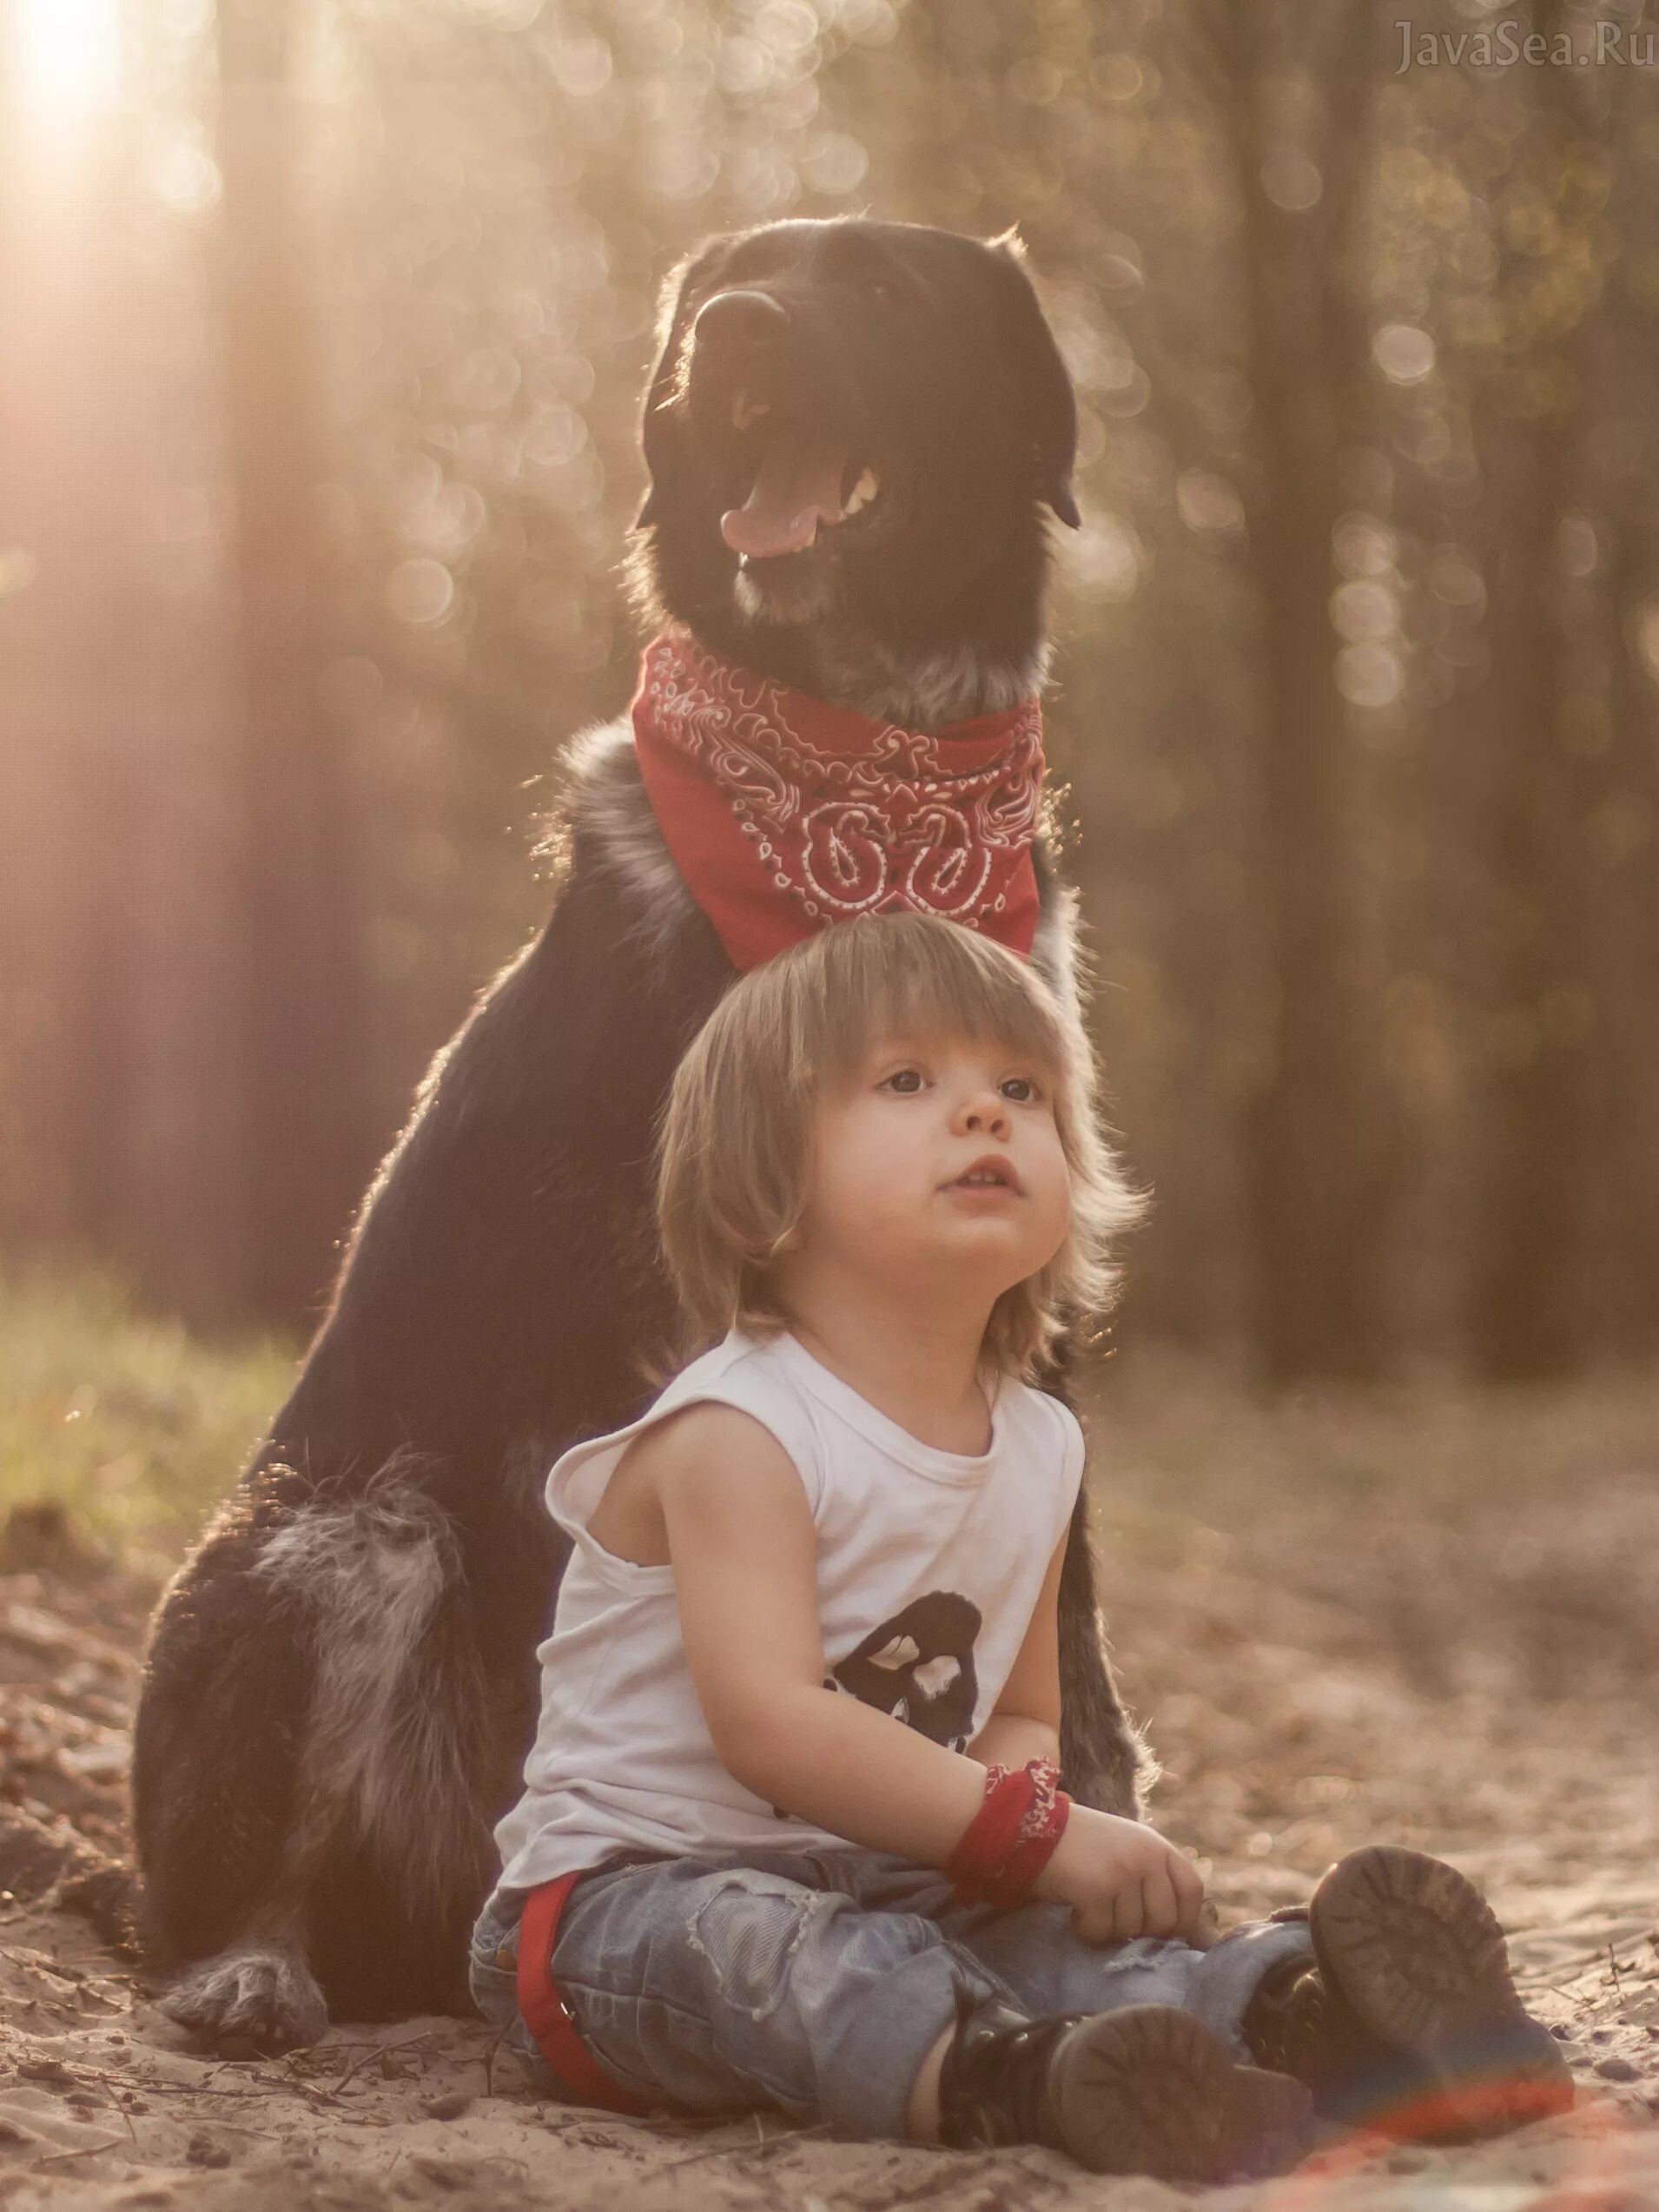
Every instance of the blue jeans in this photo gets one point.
(818, 1982)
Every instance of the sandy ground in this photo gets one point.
(1433, 1625)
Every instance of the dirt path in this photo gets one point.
(1428, 1623)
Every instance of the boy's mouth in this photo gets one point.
(991, 1174)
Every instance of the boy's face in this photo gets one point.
(938, 1160)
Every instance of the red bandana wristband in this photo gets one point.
(783, 813)
(1012, 1837)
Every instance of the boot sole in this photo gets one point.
(1150, 2091)
(1420, 1956)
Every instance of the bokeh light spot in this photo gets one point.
(1369, 676)
(421, 591)
(1206, 501)
(1291, 181)
(1404, 353)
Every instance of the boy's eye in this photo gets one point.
(1020, 1088)
(906, 1081)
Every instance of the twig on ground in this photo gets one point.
(373, 2052)
(698, 2158)
(39, 1963)
(948, 2175)
(1618, 1986)
(291, 2086)
(84, 2150)
(763, 2148)
(771, 2143)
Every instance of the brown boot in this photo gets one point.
(1145, 2090)
(1409, 2023)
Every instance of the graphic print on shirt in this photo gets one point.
(919, 1667)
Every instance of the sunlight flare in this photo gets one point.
(67, 54)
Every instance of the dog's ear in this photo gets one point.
(671, 314)
(1045, 386)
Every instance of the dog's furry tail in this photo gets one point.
(1106, 1761)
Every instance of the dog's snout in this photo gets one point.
(740, 322)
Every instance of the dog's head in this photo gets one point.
(853, 429)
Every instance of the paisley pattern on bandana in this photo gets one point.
(784, 813)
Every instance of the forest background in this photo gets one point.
(324, 327)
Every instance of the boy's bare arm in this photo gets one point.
(1025, 1723)
(743, 1548)
(743, 1545)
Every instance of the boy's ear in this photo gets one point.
(672, 305)
(1045, 385)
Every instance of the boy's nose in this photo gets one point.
(985, 1110)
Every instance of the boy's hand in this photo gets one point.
(1121, 1880)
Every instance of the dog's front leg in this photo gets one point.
(256, 1997)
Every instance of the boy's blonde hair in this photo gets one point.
(734, 1155)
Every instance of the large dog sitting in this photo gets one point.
(852, 434)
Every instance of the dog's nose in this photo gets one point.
(740, 322)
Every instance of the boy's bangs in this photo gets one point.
(926, 985)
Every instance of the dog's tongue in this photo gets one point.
(799, 486)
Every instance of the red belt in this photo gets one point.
(544, 2011)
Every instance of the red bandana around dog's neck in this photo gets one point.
(784, 813)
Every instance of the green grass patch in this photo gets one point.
(132, 1426)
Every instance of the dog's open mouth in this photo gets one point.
(804, 481)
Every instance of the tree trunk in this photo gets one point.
(66, 796)
(301, 1027)
(1528, 1307)
(1320, 1176)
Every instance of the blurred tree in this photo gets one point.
(66, 569)
(1620, 853)
(1551, 726)
(1358, 646)
(1323, 1161)
(298, 927)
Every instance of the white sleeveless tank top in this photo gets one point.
(929, 1564)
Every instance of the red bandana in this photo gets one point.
(783, 813)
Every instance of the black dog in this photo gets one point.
(342, 1681)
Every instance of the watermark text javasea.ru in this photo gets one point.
(1501, 45)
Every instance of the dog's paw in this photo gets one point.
(249, 2001)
